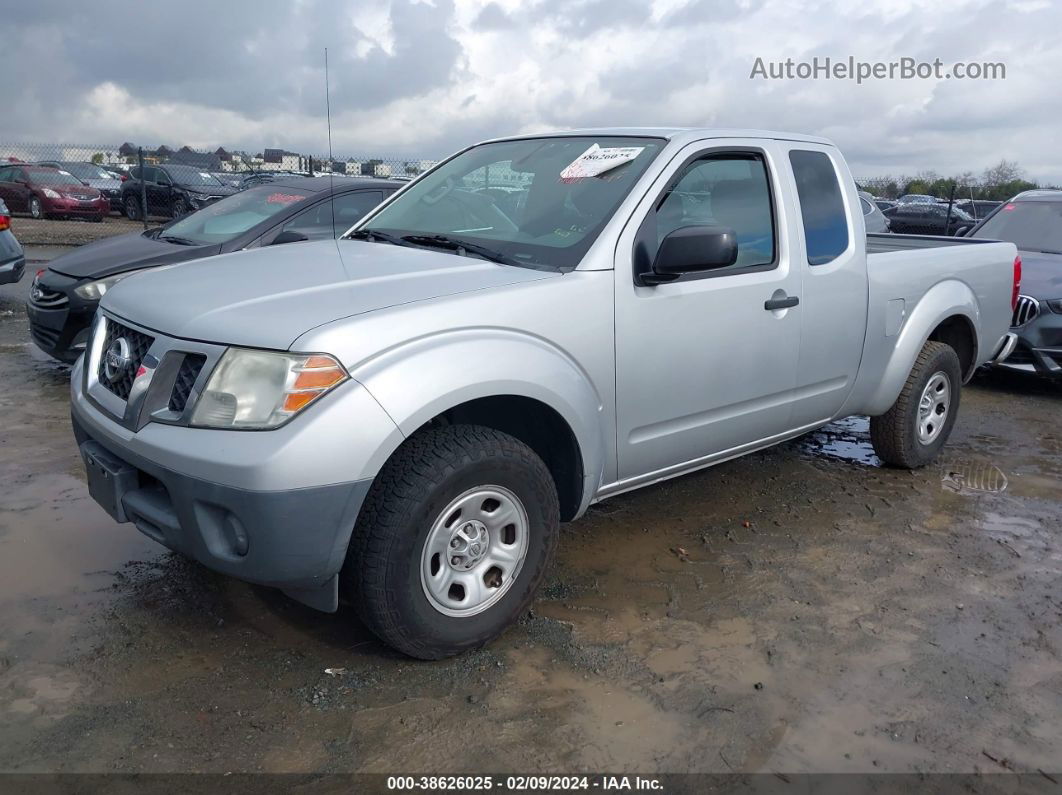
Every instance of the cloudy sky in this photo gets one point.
(420, 79)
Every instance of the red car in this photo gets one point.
(42, 192)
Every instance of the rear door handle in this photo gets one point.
(781, 303)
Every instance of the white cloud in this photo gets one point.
(420, 79)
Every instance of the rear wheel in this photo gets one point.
(132, 208)
(453, 540)
(36, 209)
(912, 432)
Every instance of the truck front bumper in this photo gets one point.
(294, 539)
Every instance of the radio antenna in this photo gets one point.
(331, 161)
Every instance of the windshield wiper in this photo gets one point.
(376, 236)
(180, 241)
(462, 247)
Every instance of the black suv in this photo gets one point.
(63, 298)
(171, 190)
(1032, 221)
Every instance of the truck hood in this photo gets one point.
(124, 253)
(269, 297)
(1041, 275)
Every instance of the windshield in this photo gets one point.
(537, 202)
(49, 176)
(225, 219)
(1029, 225)
(87, 171)
(188, 175)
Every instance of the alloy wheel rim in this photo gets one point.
(933, 407)
(474, 551)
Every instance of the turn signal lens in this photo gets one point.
(5, 222)
(297, 400)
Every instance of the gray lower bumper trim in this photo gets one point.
(293, 540)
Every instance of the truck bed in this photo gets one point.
(883, 243)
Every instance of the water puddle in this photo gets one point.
(847, 439)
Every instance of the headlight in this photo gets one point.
(51, 194)
(1055, 304)
(253, 389)
(93, 291)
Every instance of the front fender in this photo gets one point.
(944, 300)
(420, 379)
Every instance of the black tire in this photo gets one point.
(36, 209)
(179, 208)
(895, 434)
(382, 572)
(132, 208)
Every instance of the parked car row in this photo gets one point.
(63, 299)
(922, 214)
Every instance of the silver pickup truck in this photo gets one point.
(404, 416)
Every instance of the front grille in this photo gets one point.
(1028, 308)
(186, 375)
(47, 299)
(138, 346)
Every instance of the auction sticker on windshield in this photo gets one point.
(597, 160)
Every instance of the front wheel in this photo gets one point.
(132, 208)
(179, 209)
(36, 209)
(912, 432)
(453, 540)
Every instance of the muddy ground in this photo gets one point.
(801, 609)
(57, 232)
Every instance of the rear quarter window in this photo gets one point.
(821, 205)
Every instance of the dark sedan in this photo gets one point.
(923, 218)
(1033, 222)
(171, 190)
(12, 258)
(63, 299)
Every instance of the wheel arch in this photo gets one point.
(949, 313)
(512, 382)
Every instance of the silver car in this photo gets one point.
(873, 218)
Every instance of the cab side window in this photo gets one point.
(821, 205)
(729, 190)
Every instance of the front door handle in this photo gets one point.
(785, 302)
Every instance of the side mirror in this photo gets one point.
(693, 249)
(288, 236)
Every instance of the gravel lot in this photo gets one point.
(50, 232)
(801, 609)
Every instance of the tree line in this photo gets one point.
(997, 183)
